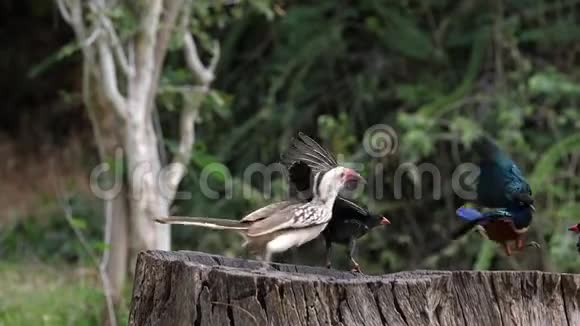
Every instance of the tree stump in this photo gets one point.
(192, 288)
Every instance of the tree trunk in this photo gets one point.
(146, 196)
(116, 259)
(189, 288)
(107, 131)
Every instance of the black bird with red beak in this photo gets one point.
(349, 221)
(576, 229)
(283, 225)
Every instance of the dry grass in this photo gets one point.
(28, 179)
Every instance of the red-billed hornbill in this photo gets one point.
(283, 225)
(304, 159)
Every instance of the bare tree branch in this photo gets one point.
(74, 16)
(177, 169)
(131, 54)
(166, 28)
(72, 9)
(65, 12)
(99, 11)
(122, 59)
(91, 38)
(167, 24)
(72, 13)
(216, 57)
(194, 99)
(205, 75)
(109, 74)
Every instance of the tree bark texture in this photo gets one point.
(146, 196)
(190, 288)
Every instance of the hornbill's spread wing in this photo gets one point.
(304, 159)
(305, 149)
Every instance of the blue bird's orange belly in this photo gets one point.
(500, 230)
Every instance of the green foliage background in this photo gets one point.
(439, 72)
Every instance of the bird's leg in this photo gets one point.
(507, 248)
(351, 253)
(327, 253)
(520, 243)
(294, 256)
(266, 258)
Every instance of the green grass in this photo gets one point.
(41, 294)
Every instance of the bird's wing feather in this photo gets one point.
(290, 217)
(350, 207)
(469, 214)
(305, 149)
(323, 154)
(357, 224)
(300, 179)
(266, 211)
(486, 147)
(303, 159)
(520, 217)
(472, 214)
(500, 176)
(498, 213)
(273, 223)
(517, 182)
(295, 154)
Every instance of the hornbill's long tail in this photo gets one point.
(206, 222)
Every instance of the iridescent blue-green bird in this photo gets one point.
(501, 182)
(501, 185)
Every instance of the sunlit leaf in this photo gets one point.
(78, 223)
(553, 83)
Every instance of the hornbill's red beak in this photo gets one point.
(574, 228)
(351, 175)
(384, 221)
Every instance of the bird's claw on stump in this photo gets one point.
(265, 266)
(534, 244)
(356, 268)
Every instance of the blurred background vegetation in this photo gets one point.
(439, 72)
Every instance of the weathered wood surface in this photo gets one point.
(191, 288)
